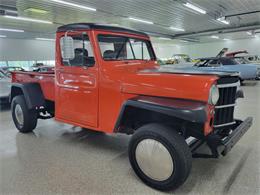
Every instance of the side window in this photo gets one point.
(115, 47)
(129, 52)
(83, 52)
(214, 63)
(140, 49)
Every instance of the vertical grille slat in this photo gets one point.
(227, 98)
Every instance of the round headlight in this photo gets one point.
(213, 95)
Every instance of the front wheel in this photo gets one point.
(241, 81)
(24, 119)
(160, 156)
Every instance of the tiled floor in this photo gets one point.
(60, 159)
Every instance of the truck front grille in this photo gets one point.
(224, 109)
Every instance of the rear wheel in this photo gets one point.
(24, 119)
(160, 156)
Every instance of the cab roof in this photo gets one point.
(90, 26)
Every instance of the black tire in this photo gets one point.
(176, 146)
(29, 116)
(241, 81)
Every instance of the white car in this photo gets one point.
(5, 88)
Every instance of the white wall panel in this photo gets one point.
(21, 49)
(163, 50)
(211, 49)
(207, 49)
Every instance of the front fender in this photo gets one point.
(187, 110)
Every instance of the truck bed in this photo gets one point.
(45, 79)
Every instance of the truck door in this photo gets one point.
(77, 85)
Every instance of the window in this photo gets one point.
(228, 61)
(25, 64)
(213, 63)
(46, 62)
(125, 48)
(3, 63)
(83, 52)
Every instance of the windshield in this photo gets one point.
(125, 48)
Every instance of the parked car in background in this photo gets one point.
(247, 71)
(243, 57)
(8, 69)
(44, 69)
(183, 59)
(5, 88)
(179, 59)
(248, 59)
(224, 64)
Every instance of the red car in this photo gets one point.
(106, 79)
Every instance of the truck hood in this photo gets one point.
(171, 83)
(186, 69)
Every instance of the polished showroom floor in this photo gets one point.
(61, 159)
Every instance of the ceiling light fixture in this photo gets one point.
(195, 8)
(75, 5)
(114, 24)
(249, 32)
(223, 20)
(140, 20)
(28, 19)
(36, 10)
(225, 39)
(165, 38)
(11, 30)
(44, 39)
(2, 36)
(214, 37)
(177, 29)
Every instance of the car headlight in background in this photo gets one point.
(213, 95)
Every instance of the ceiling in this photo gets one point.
(163, 13)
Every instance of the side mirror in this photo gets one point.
(67, 48)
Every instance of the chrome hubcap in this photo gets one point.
(19, 114)
(154, 159)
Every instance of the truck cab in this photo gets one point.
(107, 79)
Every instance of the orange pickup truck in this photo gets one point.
(107, 79)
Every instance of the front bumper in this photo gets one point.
(219, 143)
(229, 141)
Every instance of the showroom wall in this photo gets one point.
(211, 49)
(166, 50)
(208, 49)
(20, 49)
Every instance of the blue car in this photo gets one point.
(225, 64)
